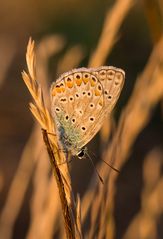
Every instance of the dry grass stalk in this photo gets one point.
(42, 115)
(144, 224)
(39, 110)
(153, 14)
(70, 230)
(15, 197)
(72, 58)
(14, 200)
(113, 20)
(48, 46)
(38, 204)
(51, 213)
(133, 119)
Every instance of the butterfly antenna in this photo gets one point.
(116, 170)
(102, 181)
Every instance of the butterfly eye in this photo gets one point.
(81, 154)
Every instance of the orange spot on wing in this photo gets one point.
(58, 89)
(97, 92)
(92, 82)
(69, 84)
(78, 81)
(85, 80)
(101, 102)
(62, 88)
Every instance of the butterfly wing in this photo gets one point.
(112, 80)
(81, 99)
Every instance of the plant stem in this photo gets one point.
(69, 226)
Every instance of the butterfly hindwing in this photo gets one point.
(112, 80)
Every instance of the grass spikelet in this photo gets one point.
(56, 155)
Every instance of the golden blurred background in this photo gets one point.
(69, 34)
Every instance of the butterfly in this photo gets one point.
(81, 99)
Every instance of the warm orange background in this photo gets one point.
(78, 23)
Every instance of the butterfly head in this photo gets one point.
(82, 153)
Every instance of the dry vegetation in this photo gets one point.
(55, 210)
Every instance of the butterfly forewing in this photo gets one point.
(81, 99)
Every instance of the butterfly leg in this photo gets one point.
(66, 161)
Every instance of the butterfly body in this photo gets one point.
(81, 99)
